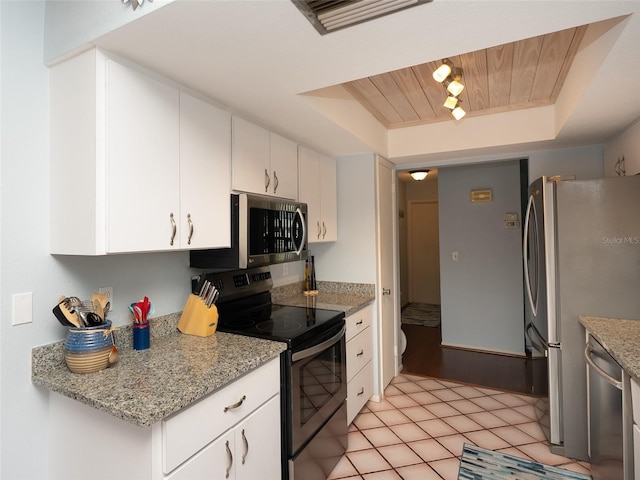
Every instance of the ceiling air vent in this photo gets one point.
(331, 15)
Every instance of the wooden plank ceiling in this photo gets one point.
(523, 74)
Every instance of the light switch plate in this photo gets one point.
(22, 308)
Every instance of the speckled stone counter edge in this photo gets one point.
(348, 297)
(145, 386)
(620, 337)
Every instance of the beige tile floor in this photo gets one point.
(418, 430)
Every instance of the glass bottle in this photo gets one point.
(313, 274)
(307, 276)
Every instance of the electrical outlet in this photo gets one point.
(108, 291)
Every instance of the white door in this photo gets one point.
(387, 292)
(424, 251)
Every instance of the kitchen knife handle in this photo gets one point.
(190, 223)
(173, 228)
(267, 181)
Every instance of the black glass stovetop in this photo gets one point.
(294, 326)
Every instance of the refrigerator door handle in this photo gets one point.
(608, 378)
(525, 249)
(537, 340)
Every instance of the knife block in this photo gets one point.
(197, 319)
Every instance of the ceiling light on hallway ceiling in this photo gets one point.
(450, 76)
(419, 175)
(331, 15)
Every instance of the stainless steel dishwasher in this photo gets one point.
(606, 414)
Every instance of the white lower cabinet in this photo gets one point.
(359, 339)
(233, 433)
(242, 453)
(635, 408)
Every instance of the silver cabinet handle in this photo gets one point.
(360, 353)
(235, 405)
(173, 228)
(245, 442)
(276, 182)
(267, 180)
(386, 291)
(319, 230)
(229, 459)
(324, 230)
(190, 223)
(361, 391)
(360, 322)
(588, 352)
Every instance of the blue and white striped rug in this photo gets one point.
(479, 464)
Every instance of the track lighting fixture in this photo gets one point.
(450, 77)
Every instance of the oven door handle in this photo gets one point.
(308, 352)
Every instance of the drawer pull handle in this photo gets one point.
(235, 405)
(361, 391)
(246, 446)
(173, 229)
(359, 354)
(190, 223)
(229, 459)
(360, 322)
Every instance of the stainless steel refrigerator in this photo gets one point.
(581, 257)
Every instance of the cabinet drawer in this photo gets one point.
(359, 352)
(187, 431)
(357, 322)
(359, 391)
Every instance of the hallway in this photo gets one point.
(425, 356)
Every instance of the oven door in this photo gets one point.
(318, 386)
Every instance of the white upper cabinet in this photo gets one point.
(137, 165)
(205, 174)
(318, 190)
(263, 162)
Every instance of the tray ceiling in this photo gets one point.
(517, 75)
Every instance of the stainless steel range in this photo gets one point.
(313, 368)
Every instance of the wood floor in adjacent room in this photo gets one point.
(425, 356)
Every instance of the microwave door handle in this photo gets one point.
(308, 352)
(304, 233)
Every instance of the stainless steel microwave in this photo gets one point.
(264, 231)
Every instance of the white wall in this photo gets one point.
(583, 162)
(353, 257)
(26, 263)
(482, 296)
(626, 144)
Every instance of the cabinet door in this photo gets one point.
(310, 190)
(250, 157)
(205, 174)
(329, 195)
(284, 167)
(215, 462)
(257, 452)
(142, 162)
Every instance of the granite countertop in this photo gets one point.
(347, 297)
(620, 337)
(145, 386)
